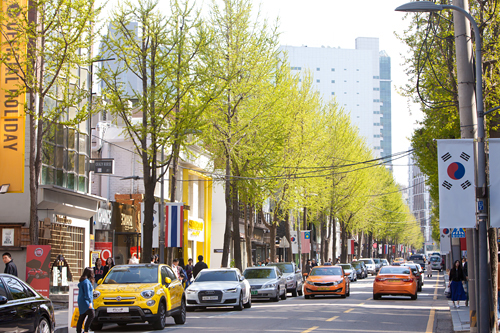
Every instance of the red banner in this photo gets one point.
(38, 268)
(105, 249)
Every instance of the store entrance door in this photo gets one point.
(126, 245)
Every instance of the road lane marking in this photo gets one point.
(310, 329)
(369, 298)
(430, 322)
(436, 288)
(349, 310)
(332, 319)
(361, 304)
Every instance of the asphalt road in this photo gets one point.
(357, 313)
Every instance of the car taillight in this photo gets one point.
(378, 279)
(408, 280)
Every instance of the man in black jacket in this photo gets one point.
(200, 265)
(10, 267)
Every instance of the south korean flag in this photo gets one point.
(457, 200)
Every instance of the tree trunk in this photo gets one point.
(229, 205)
(360, 244)
(33, 181)
(289, 237)
(334, 238)
(343, 237)
(492, 238)
(149, 201)
(249, 224)
(236, 227)
(322, 228)
(272, 242)
(370, 245)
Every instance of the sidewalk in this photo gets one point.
(461, 316)
(61, 314)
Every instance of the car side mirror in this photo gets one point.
(242, 278)
(168, 280)
(346, 274)
(3, 300)
(297, 271)
(99, 282)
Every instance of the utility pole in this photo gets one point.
(467, 109)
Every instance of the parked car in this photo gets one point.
(418, 259)
(266, 282)
(436, 263)
(418, 272)
(370, 265)
(219, 287)
(378, 264)
(137, 294)
(361, 269)
(327, 280)
(22, 309)
(348, 269)
(395, 280)
(293, 277)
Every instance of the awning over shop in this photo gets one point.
(67, 202)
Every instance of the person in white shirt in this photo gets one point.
(133, 260)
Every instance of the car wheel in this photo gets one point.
(239, 307)
(299, 291)
(414, 297)
(180, 318)
(277, 298)
(419, 287)
(43, 326)
(376, 296)
(348, 291)
(159, 324)
(248, 304)
(307, 296)
(283, 297)
(294, 292)
(96, 326)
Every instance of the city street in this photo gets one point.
(357, 313)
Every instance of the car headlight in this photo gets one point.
(289, 278)
(269, 285)
(189, 291)
(147, 293)
(337, 282)
(232, 290)
(309, 282)
(96, 294)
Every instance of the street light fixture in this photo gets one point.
(484, 292)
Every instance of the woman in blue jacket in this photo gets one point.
(85, 299)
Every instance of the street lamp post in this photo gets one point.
(482, 216)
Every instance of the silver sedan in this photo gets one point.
(218, 287)
(266, 282)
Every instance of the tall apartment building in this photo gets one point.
(360, 81)
(419, 198)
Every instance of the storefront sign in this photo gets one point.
(38, 268)
(104, 216)
(7, 237)
(105, 249)
(195, 230)
(12, 99)
(63, 219)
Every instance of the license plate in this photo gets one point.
(117, 310)
(254, 292)
(323, 288)
(393, 281)
(210, 298)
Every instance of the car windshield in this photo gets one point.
(132, 274)
(377, 261)
(286, 268)
(346, 266)
(214, 276)
(394, 270)
(356, 265)
(326, 271)
(435, 259)
(259, 274)
(413, 258)
(367, 261)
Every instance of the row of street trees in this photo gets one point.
(271, 137)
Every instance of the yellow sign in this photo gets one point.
(195, 225)
(12, 116)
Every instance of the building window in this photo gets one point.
(318, 69)
(357, 70)
(345, 92)
(333, 81)
(345, 80)
(376, 100)
(345, 69)
(333, 92)
(376, 89)
(317, 81)
(376, 77)
(296, 68)
(333, 69)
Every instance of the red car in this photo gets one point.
(37, 273)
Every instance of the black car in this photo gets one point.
(419, 274)
(22, 309)
(361, 270)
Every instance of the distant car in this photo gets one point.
(22, 309)
(418, 272)
(361, 270)
(395, 280)
(38, 273)
(370, 265)
(436, 263)
(293, 277)
(378, 264)
(399, 260)
(327, 280)
(266, 282)
(418, 259)
(219, 287)
(348, 269)
(385, 262)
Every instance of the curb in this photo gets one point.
(63, 329)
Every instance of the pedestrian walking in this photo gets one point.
(429, 269)
(456, 286)
(200, 265)
(109, 264)
(189, 271)
(133, 260)
(98, 271)
(10, 267)
(85, 300)
(314, 264)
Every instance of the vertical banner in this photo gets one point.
(350, 246)
(305, 241)
(294, 241)
(494, 187)
(12, 100)
(38, 268)
(457, 197)
(444, 241)
(174, 224)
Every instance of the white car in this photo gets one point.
(266, 282)
(370, 265)
(348, 269)
(218, 287)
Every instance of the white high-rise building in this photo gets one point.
(419, 198)
(358, 79)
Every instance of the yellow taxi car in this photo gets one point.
(137, 294)
(327, 280)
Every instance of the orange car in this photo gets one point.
(327, 280)
(395, 280)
